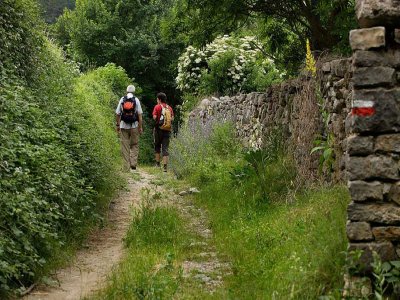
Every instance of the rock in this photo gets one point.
(204, 103)
(370, 167)
(394, 193)
(390, 233)
(388, 143)
(357, 287)
(385, 250)
(378, 12)
(388, 58)
(183, 193)
(340, 67)
(387, 111)
(360, 145)
(374, 76)
(365, 39)
(359, 231)
(193, 191)
(397, 36)
(326, 67)
(381, 213)
(363, 191)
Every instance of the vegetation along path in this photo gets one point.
(93, 264)
(104, 250)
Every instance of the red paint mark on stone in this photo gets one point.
(363, 111)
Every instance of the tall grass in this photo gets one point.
(155, 242)
(285, 241)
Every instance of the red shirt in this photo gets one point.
(158, 109)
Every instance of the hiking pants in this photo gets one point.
(130, 146)
(161, 140)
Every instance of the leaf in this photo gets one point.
(315, 149)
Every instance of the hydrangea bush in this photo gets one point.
(227, 65)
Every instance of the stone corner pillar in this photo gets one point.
(373, 147)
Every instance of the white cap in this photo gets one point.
(129, 96)
(130, 89)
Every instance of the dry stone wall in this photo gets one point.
(374, 126)
(295, 107)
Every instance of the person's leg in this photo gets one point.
(165, 146)
(157, 146)
(125, 140)
(134, 147)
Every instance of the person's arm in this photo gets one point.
(118, 117)
(140, 126)
(140, 116)
(118, 122)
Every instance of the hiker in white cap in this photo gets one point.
(129, 126)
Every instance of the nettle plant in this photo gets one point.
(227, 65)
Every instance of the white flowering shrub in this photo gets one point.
(227, 65)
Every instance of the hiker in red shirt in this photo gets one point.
(163, 116)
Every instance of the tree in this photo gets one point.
(125, 32)
(319, 20)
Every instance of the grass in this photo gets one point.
(283, 241)
(281, 251)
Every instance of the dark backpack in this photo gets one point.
(129, 113)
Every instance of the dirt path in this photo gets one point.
(105, 249)
(206, 266)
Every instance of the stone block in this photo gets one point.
(394, 193)
(397, 36)
(373, 166)
(340, 67)
(388, 58)
(378, 12)
(388, 143)
(360, 145)
(368, 58)
(374, 76)
(364, 191)
(359, 231)
(326, 67)
(379, 213)
(385, 250)
(387, 112)
(357, 287)
(389, 233)
(365, 39)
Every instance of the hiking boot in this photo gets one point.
(133, 169)
(165, 168)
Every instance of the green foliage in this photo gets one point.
(54, 8)
(282, 26)
(193, 151)
(228, 65)
(21, 39)
(155, 240)
(59, 155)
(284, 243)
(126, 33)
(386, 278)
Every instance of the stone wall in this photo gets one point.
(374, 125)
(295, 107)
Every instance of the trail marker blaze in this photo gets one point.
(363, 108)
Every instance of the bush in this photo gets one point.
(59, 155)
(226, 66)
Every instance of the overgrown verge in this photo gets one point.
(59, 155)
(284, 241)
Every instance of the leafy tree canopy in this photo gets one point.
(54, 8)
(126, 33)
(283, 25)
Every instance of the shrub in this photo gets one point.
(59, 154)
(227, 65)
